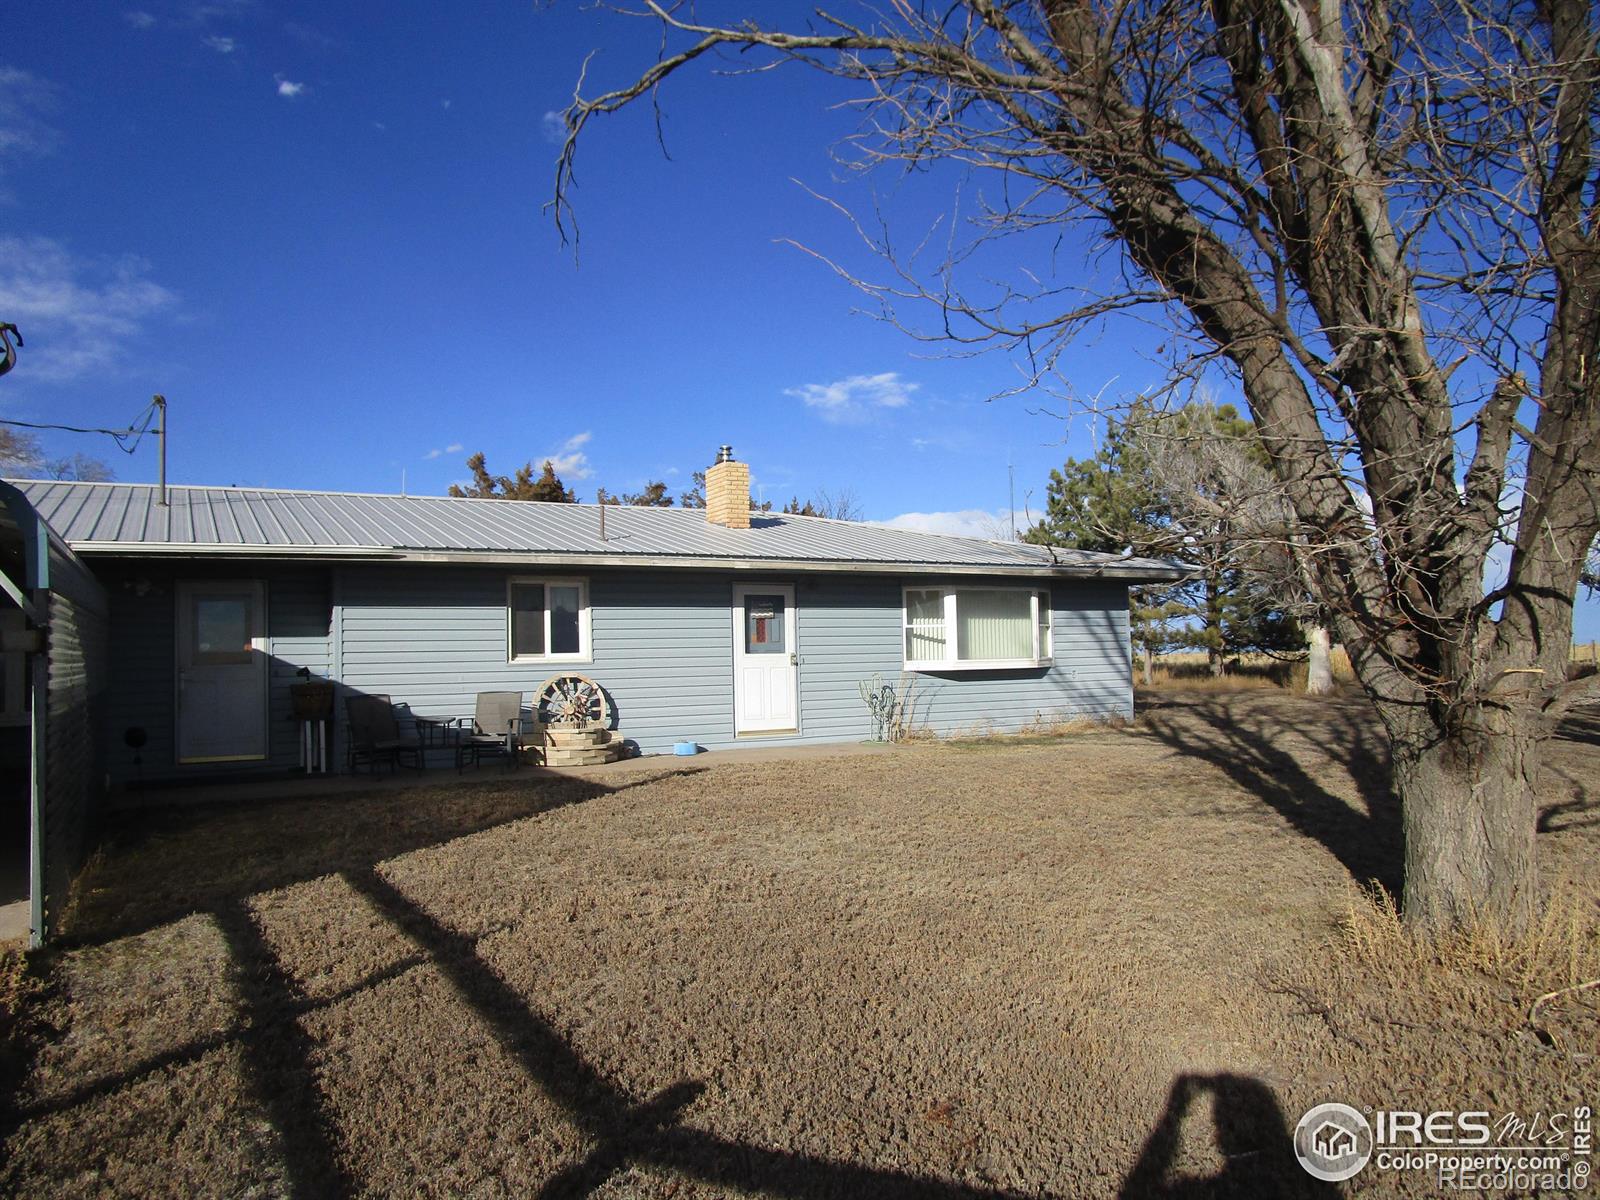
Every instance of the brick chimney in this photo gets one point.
(728, 491)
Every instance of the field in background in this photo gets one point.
(1263, 671)
(1244, 672)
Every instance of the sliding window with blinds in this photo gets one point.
(976, 628)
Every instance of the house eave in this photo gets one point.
(168, 551)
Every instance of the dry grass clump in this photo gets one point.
(1042, 730)
(1559, 950)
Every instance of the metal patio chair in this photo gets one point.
(375, 735)
(498, 726)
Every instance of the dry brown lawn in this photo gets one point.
(1089, 965)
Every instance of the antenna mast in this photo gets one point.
(1011, 509)
(161, 434)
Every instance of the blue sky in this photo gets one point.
(319, 231)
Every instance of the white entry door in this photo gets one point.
(765, 681)
(222, 671)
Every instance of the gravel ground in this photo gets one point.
(1106, 963)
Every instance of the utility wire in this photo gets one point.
(120, 436)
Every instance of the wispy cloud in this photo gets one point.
(308, 36)
(218, 10)
(452, 448)
(222, 45)
(289, 89)
(80, 316)
(445, 104)
(966, 522)
(26, 102)
(139, 19)
(571, 461)
(553, 125)
(950, 440)
(846, 401)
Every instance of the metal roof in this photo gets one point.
(126, 519)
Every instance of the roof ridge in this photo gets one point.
(244, 487)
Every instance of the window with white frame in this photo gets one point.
(976, 628)
(547, 620)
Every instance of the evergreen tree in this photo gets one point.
(522, 486)
(695, 497)
(1123, 500)
(653, 496)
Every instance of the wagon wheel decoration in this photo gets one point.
(572, 700)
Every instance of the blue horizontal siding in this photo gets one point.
(662, 647)
(143, 671)
(433, 636)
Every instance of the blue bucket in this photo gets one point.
(686, 748)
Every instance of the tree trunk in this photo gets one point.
(1319, 671)
(1149, 666)
(1468, 812)
(1213, 631)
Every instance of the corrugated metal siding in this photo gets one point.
(142, 676)
(73, 774)
(663, 647)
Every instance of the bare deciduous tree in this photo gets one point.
(841, 504)
(1380, 220)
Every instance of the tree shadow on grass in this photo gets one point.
(158, 865)
(1251, 1135)
(1580, 811)
(215, 859)
(1581, 725)
(1248, 738)
(624, 1131)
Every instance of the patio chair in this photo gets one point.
(498, 726)
(375, 735)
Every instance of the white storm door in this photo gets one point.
(765, 681)
(222, 671)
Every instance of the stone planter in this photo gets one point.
(581, 745)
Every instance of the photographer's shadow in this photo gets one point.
(1255, 1142)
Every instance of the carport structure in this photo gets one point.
(53, 666)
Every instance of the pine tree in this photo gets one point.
(522, 486)
(1121, 500)
(695, 497)
(653, 496)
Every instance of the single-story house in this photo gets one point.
(723, 626)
